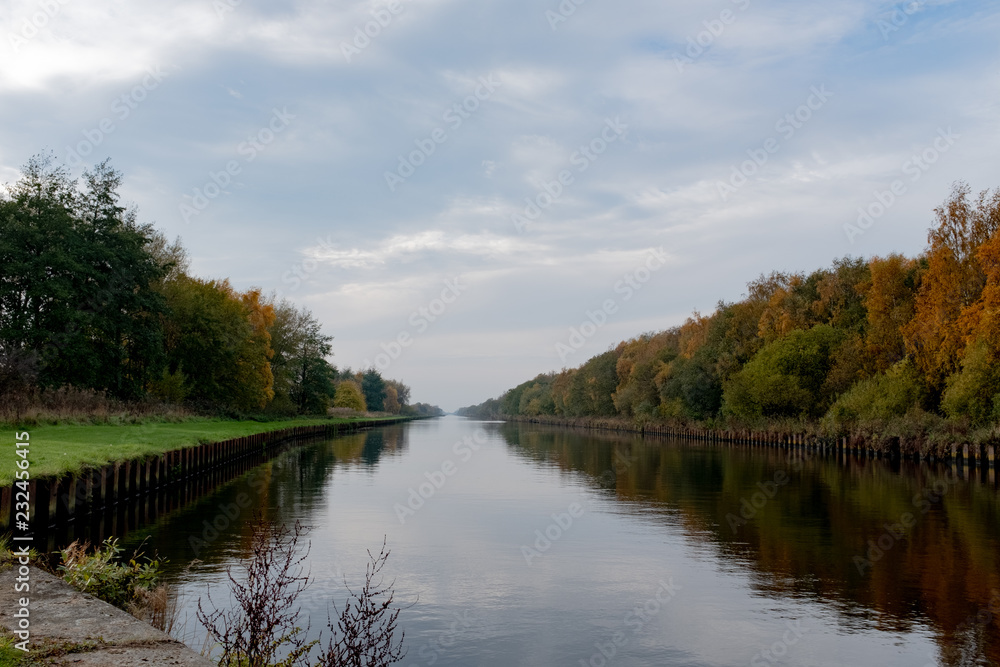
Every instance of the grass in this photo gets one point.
(69, 448)
(42, 650)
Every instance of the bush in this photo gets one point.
(349, 396)
(882, 397)
(132, 586)
(974, 391)
(786, 378)
(689, 389)
(263, 624)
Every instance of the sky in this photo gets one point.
(467, 194)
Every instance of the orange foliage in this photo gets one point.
(889, 298)
(938, 334)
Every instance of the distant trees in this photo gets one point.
(422, 410)
(872, 339)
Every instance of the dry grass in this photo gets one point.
(157, 607)
(69, 404)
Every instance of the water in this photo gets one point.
(534, 545)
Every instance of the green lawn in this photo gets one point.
(69, 448)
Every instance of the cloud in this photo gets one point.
(317, 195)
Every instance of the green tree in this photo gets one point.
(76, 276)
(884, 396)
(373, 387)
(785, 379)
(218, 340)
(974, 391)
(639, 362)
(689, 388)
(304, 381)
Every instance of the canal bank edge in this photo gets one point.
(60, 500)
(983, 456)
(76, 628)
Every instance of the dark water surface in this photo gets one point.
(542, 546)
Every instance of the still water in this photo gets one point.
(517, 544)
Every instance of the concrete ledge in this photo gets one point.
(104, 635)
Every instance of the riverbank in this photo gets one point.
(916, 446)
(68, 627)
(115, 498)
(57, 450)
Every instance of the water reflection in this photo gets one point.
(889, 545)
(763, 548)
(213, 530)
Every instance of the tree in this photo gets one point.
(785, 379)
(974, 391)
(840, 294)
(537, 399)
(954, 281)
(883, 396)
(304, 379)
(640, 360)
(373, 387)
(391, 403)
(402, 391)
(254, 382)
(219, 340)
(76, 276)
(348, 395)
(689, 388)
(889, 301)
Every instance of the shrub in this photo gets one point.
(349, 395)
(132, 586)
(263, 624)
(786, 378)
(882, 397)
(974, 391)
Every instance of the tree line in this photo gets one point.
(93, 299)
(886, 343)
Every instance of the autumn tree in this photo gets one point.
(974, 391)
(639, 362)
(954, 281)
(787, 303)
(349, 395)
(391, 402)
(890, 301)
(402, 392)
(218, 339)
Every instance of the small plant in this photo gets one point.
(132, 586)
(8, 558)
(366, 628)
(261, 629)
(263, 622)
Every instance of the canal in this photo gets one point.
(520, 544)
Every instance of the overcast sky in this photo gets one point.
(510, 166)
